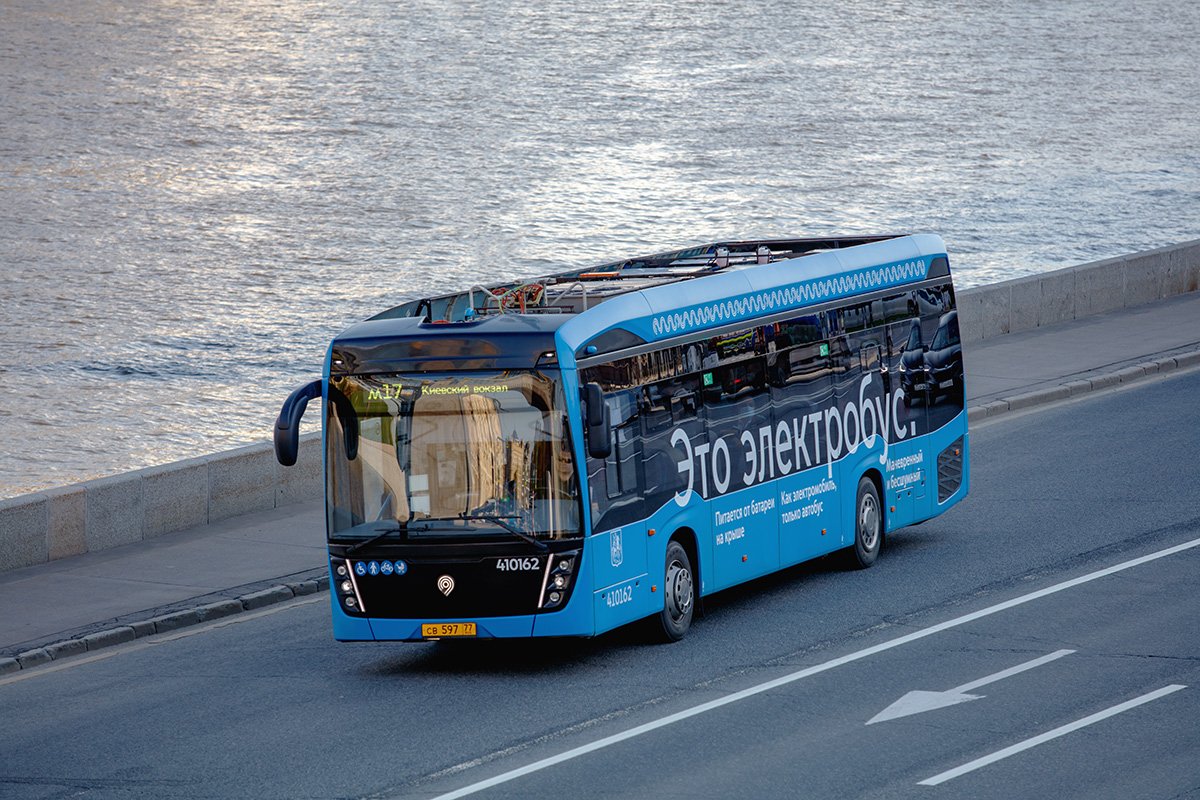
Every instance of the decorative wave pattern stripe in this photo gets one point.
(785, 297)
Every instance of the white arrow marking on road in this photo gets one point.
(917, 701)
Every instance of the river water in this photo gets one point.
(195, 197)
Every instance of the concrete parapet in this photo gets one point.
(66, 533)
(24, 531)
(146, 503)
(1038, 300)
(301, 481)
(242, 481)
(175, 497)
(115, 512)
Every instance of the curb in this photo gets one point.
(1075, 388)
(282, 592)
(162, 623)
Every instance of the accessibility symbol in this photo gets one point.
(386, 568)
(401, 568)
(360, 568)
(373, 568)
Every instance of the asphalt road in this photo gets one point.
(1075, 672)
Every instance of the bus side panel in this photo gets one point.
(906, 481)
(745, 534)
(809, 515)
(619, 574)
(641, 595)
(923, 455)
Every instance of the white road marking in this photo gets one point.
(918, 701)
(688, 713)
(1048, 735)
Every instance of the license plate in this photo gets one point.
(443, 630)
(919, 387)
(945, 384)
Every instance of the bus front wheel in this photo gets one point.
(679, 593)
(868, 525)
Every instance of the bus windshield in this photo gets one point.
(465, 455)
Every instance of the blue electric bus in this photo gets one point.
(561, 456)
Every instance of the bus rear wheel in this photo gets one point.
(679, 593)
(868, 525)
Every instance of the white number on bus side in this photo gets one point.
(516, 564)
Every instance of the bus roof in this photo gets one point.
(637, 300)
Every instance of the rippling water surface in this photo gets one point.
(195, 197)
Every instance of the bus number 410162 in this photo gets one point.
(517, 564)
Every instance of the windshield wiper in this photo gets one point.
(383, 534)
(515, 531)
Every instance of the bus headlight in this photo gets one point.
(556, 587)
(346, 587)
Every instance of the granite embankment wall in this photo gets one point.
(1022, 304)
(141, 505)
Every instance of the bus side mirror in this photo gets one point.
(599, 425)
(287, 426)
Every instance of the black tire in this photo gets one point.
(679, 593)
(868, 525)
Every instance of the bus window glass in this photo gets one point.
(620, 468)
(799, 330)
(614, 482)
(447, 449)
(672, 411)
(735, 400)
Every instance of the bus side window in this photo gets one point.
(869, 357)
(737, 400)
(620, 468)
(674, 408)
(656, 407)
(684, 407)
(839, 354)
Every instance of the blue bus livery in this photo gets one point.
(565, 455)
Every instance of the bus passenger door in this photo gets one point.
(741, 471)
(905, 476)
(618, 544)
(801, 392)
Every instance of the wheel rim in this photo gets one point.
(868, 522)
(679, 591)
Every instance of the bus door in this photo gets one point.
(905, 476)
(865, 402)
(801, 392)
(673, 431)
(618, 542)
(742, 469)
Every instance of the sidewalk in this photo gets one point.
(74, 604)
